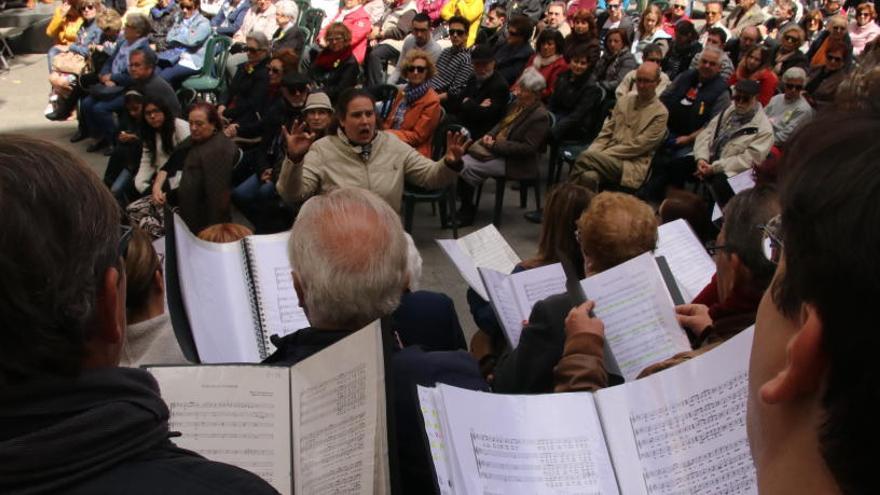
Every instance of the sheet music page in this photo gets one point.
(213, 283)
(738, 183)
(690, 263)
(335, 396)
(527, 444)
(683, 430)
(503, 299)
(428, 398)
(239, 415)
(640, 325)
(537, 284)
(489, 249)
(465, 265)
(280, 304)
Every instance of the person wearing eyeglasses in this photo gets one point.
(674, 14)
(787, 53)
(335, 69)
(823, 80)
(813, 25)
(511, 57)
(736, 139)
(864, 29)
(454, 63)
(187, 42)
(716, 37)
(651, 53)
(244, 100)
(355, 18)
(614, 18)
(415, 111)
(835, 32)
(746, 13)
(789, 110)
(421, 37)
(471, 10)
(492, 30)
(714, 10)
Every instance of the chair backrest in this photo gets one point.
(215, 56)
(438, 141)
(384, 94)
(302, 6)
(311, 20)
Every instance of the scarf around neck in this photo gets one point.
(328, 60)
(362, 150)
(411, 95)
(540, 61)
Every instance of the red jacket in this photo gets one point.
(550, 73)
(419, 122)
(358, 22)
(768, 81)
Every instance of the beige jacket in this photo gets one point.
(749, 146)
(332, 162)
(631, 134)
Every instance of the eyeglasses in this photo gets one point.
(679, 7)
(794, 86)
(124, 238)
(714, 248)
(863, 14)
(832, 58)
(187, 7)
(791, 39)
(642, 80)
(457, 32)
(297, 89)
(771, 242)
(253, 49)
(275, 70)
(613, 6)
(88, 7)
(838, 29)
(418, 69)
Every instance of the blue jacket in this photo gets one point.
(117, 64)
(87, 35)
(191, 35)
(227, 22)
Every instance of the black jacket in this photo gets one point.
(510, 60)
(466, 109)
(575, 103)
(292, 38)
(246, 97)
(105, 431)
(679, 59)
(335, 81)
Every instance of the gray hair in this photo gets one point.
(713, 49)
(742, 216)
(139, 22)
(532, 80)
(349, 255)
(794, 73)
(413, 264)
(259, 38)
(287, 8)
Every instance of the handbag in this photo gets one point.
(479, 151)
(69, 63)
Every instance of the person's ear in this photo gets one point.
(110, 307)
(805, 362)
(159, 280)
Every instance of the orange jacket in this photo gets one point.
(62, 29)
(419, 122)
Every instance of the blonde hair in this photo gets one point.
(416, 54)
(224, 232)
(615, 228)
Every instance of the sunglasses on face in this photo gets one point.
(88, 7)
(863, 14)
(456, 32)
(253, 49)
(742, 98)
(613, 6)
(418, 69)
(794, 86)
(678, 7)
(274, 70)
(832, 58)
(187, 7)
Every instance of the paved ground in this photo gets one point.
(23, 96)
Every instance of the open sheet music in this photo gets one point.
(680, 431)
(484, 248)
(691, 265)
(640, 324)
(318, 427)
(237, 294)
(513, 296)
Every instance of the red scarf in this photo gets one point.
(328, 60)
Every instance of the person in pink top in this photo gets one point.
(356, 19)
(864, 29)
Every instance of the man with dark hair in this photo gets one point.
(454, 63)
(511, 57)
(483, 101)
(685, 47)
(386, 39)
(72, 420)
(812, 379)
(419, 37)
(492, 30)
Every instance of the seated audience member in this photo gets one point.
(549, 61)
(352, 251)
(676, 13)
(386, 39)
(649, 31)
(787, 53)
(288, 35)
(105, 96)
(864, 29)
(471, 10)
(511, 57)
(223, 233)
(63, 76)
(755, 65)
(615, 228)
(483, 101)
(583, 33)
(203, 194)
(149, 338)
(492, 30)
(747, 13)
(260, 18)
(714, 10)
(313, 167)
(651, 53)
(717, 38)
(554, 18)
(790, 110)
(421, 37)
(576, 99)
(162, 17)
(231, 16)
(724, 308)
(822, 81)
(187, 42)
(737, 138)
(621, 154)
(511, 149)
(374, 10)
(813, 25)
(835, 33)
(831, 8)
(736, 47)
(783, 17)
(63, 28)
(245, 98)
(616, 62)
(614, 18)
(454, 63)
(123, 162)
(335, 69)
(415, 112)
(353, 16)
(811, 358)
(683, 50)
(74, 421)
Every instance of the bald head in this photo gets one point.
(749, 37)
(647, 79)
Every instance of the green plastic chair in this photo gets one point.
(210, 80)
(302, 7)
(311, 20)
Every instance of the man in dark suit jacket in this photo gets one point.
(484, 99)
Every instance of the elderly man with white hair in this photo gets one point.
(349, 254)
(789, 110)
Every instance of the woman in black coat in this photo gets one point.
(576, 99)
(335, 68)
